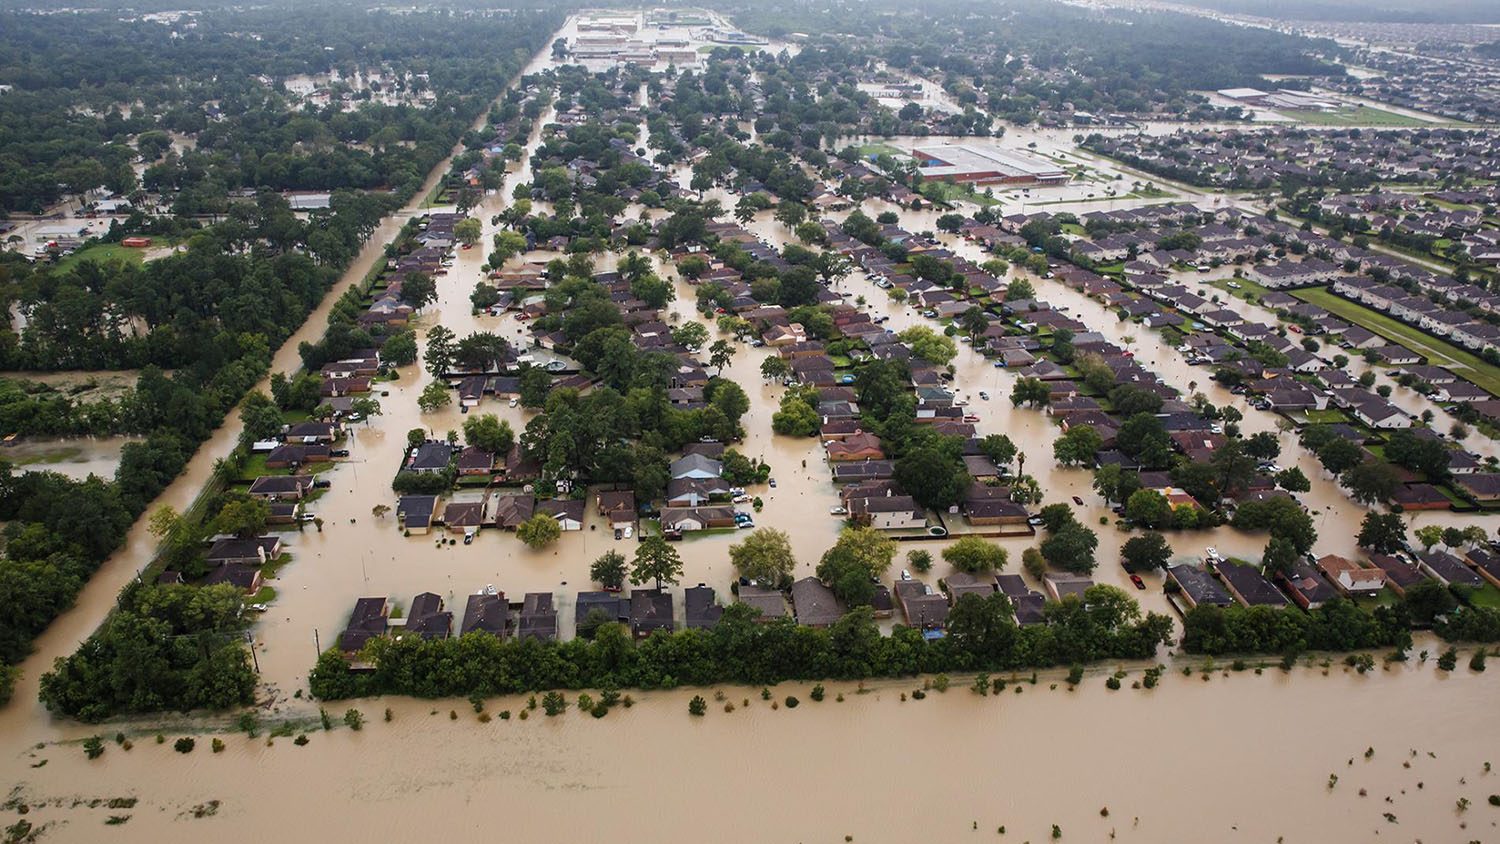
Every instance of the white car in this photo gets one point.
(629, 531)
(1212, 553)
(514, 402)
(838, 511)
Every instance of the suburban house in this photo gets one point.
(924, 609)
(1060, 585)
(251, 552)
(1249, 586)
(281, 487)
(430, 456)
(887, 512)
(962, 583)
(618, 506)
(1399, 574)
(368, 620)
(538, 617)
(702, 607)
(606, 606)
(696, 466)
(650, 610)
(464, 516)
(770, 602)
(414, 513)
(293, 455)
(1026, 602)
(246, 577)
(1448, 569)
(1198, 587)
(1306, 586)
(568, 512)
(1351, 578)
(859, 446)
(815, 604)
(1486, 562)
(427, 618)
(683, 519)
(486, 613)
(512, 510)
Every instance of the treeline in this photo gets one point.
(93, 92)
(167, 647)
(257, 273)
(982, 636)
(59, 530)
(1338, 625)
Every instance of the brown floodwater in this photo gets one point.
(1233, 757)
(1264, 746)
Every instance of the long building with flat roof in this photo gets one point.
(982, 166)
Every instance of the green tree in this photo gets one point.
(1339, 455)
(1383, 533)
(488, 432)
(1148, 508)
(719, 355)
(1279, 556)
(1077, 446)
(434, 396)
(1146, 552)
(690, 335)
(765, 556)
(657, 561)
(609, 570)
(1071, 548)
(439, 356)
(999, 448)
(467, 231)
(859, 557)
(935, 478)
(1032, 392)
(1372, 482)
(1291, 479)
(974, 555)
(539, 531)
(929, 345)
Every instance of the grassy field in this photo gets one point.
(1356, 116)
(1438, 352)
(104, 253)
(867, 150)
(951, 192)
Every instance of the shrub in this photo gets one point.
(302, 740)
(93, 747)
(554, 704)
(1113, 683)
(184, 745)
(791, 702)
(1075, 674)
(354, 719)
(1449, 660)
(218, 745)
(1476, 662)
(697, 706)
(940, 682)
(817, 692)
(599, 710)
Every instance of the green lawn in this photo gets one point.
(1438, 352)
(103, 253)
(878, 149)
(939, 191)
(1325, 417)
(1485, 596)
(1357, 116)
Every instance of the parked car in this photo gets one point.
(838, 511)
(619, 533)
(1078, 501)
(773, 483)
(339, 452)
(468, 539)
(629, 531)
(984, 395)
(1136, 579)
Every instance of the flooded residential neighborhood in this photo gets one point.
(743, 401)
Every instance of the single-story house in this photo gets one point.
(1198, 586)
(567, 511)
(252, 552)
(1351, 578)
(814, 604)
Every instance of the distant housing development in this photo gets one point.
(980, 166)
